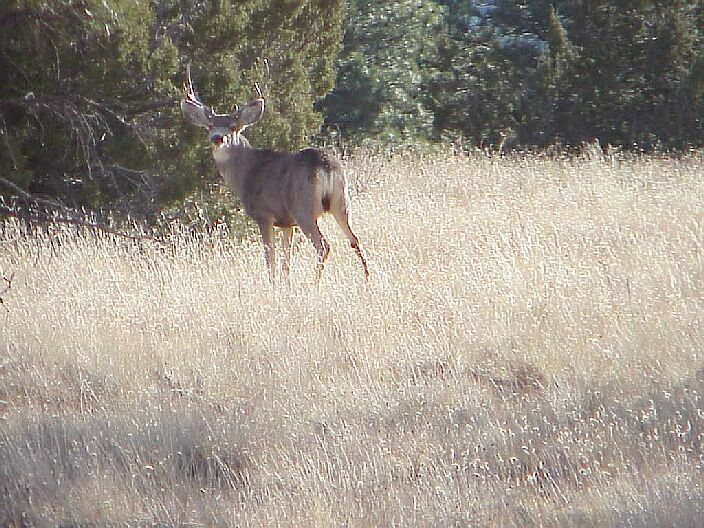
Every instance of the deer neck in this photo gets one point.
(233, 159)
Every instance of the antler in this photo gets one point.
(264, 75)
(259, 92)
(191, 107)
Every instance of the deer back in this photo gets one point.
(285, 187)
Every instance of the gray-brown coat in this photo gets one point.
(282, 189)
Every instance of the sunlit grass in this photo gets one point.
(527, 352)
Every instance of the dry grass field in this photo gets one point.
(529, 352)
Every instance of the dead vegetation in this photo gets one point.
(528, 352)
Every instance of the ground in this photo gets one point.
(528, 352)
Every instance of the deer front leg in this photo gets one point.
(267, 230)
(287, 240)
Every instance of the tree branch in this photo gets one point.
(135, 110)
(70, 216)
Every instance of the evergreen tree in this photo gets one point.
(382, 69)
(625, 72)
(559, 48)
(89, 106)
(633, 80)
(474, 95)
(475, 88)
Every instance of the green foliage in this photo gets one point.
(90, 88)
(89, 107)
(560, 53)
(628, 73)
(633, 79)
(471, 94)
(382, 71)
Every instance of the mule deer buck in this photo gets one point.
(282, 189)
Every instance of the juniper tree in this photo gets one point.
(89, 105)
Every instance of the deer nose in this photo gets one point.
(216, 139)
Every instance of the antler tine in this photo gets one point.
(195, 111)
(259, 92)
(190, 93)
(188, 85)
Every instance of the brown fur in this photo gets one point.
(282, 189)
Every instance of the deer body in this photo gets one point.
(275, 185)
(282, 189)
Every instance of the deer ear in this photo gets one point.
(249, 114)
(197, 114)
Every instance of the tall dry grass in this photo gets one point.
(527, 353)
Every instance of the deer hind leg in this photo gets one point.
(267, 230)
(342, 217)
(312, 231)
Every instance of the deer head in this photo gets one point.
(219, 126)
